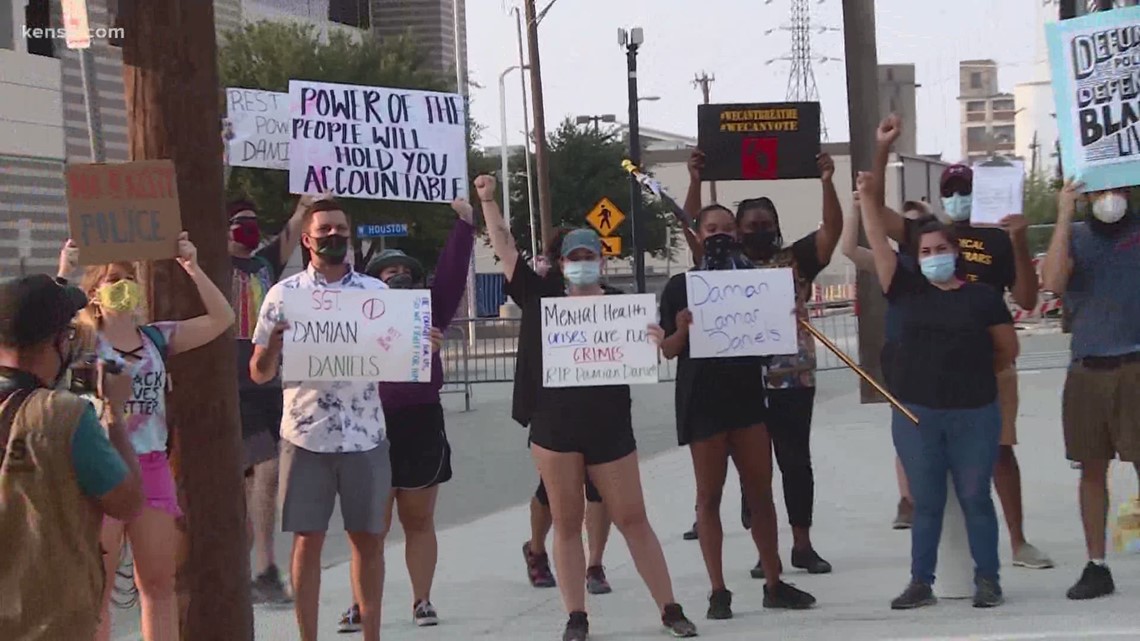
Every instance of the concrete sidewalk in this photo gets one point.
(481, 590)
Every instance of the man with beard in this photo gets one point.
(1096, 265)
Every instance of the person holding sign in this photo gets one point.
(334, 434)
(721, 410)
(1096, 265)
(954, 336)
(998, 257)
(583, 431)
(113, 318)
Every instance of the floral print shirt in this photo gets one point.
(797, 370)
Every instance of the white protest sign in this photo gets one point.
(76, 30)
(742, 312)
(260, 124)
(998, 191)
(357, 335)
(377, 143)
(598, 340)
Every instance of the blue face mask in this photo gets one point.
(958, 207)
(938, 268)
(582, 273)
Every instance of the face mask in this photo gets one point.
(763, 244)
(938, 268)
(332, 248)
(958, 207)
(1110, 208)
(121, 297)
(246, 234)
(723, 252)
(400, 281)
(582, 273)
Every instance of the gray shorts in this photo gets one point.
(310, 483)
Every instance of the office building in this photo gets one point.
(430, 22)
(987, 114)
(897, 95)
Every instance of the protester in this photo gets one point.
(256, 267)
(1096, 265)
(582, 431)
(60, 472)
(334, 437)
(953, 336)
(420, 454)
(997, 256)
(113, 318)
(528, 367)
(720, 407)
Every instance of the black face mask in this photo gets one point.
(723, 252)
(400, 281)
(763, 244)
(333, 248)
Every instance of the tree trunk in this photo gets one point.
(171, 78)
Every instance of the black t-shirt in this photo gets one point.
(986, 254)
(527, 289)
(252, 278)
(945, 352)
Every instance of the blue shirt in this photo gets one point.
(98, 466)
(1103, 294)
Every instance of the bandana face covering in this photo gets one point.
(723, 252)
(246, 233)
(121, 297)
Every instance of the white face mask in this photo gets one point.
(1110, 208)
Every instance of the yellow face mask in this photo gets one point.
(123, 296)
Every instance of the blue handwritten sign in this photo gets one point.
(742, 312)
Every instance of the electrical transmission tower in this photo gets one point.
(801, 76)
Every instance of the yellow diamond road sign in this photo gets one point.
(605, 217)
(611, 246)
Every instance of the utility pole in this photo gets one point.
(862, 60)
(704, 81)
(632, 40)
(171, 79)
(540, 145)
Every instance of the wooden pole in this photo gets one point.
(541, 148)
(171, 78)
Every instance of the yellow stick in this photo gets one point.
(821, 337)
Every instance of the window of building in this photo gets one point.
(353, 13)
(976, 135)
(894, 105)
(1005, 104)
(975, 106)
(7, 27)
(37, 19)
(975, 80)
(1004, 134)
(890, 74)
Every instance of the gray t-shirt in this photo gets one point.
(1103, 295)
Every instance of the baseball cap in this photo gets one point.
(390, 257)
(33, 308)
(954, 176)
(581, 239)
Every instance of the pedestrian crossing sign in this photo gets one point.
(605, 218)
(611, 246)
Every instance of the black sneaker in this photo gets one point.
(350, 620)
(745, 516)
(787, 597)
(675, 621)
(916, 595)
(988, 594)
(758, 571)
(1096, 581)
(720, 605)
(577, 628)
(596, 582)
(811, 561)
(423, 614)
(538, 568)
(691, 535)
(268, 588)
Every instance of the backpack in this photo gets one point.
(155, 335)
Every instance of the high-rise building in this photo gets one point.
(987, 121)
(431, 23)
(897, 95)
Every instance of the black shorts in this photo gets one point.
(420, 454)
(592, 494)
(260, 411)
(606, 438)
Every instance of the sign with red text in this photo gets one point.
(123, 211)
(368, 335)
(377, 143)
(742, 312)
(589, 341)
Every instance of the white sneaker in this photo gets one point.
(424, 614)
(1030, 557)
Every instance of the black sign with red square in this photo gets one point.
(762, 141)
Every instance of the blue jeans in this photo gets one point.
(965, 442)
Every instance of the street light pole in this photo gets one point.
(505, 153)
(531, 212)
(632, 40)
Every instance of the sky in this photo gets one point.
(583, 67)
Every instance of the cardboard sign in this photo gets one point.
(589, 341)
(76, 30)
(123, 212)
(764, 141)
(377, 143)
(1094, 65)
(260, 124)
(357, 335)
(742, 312)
